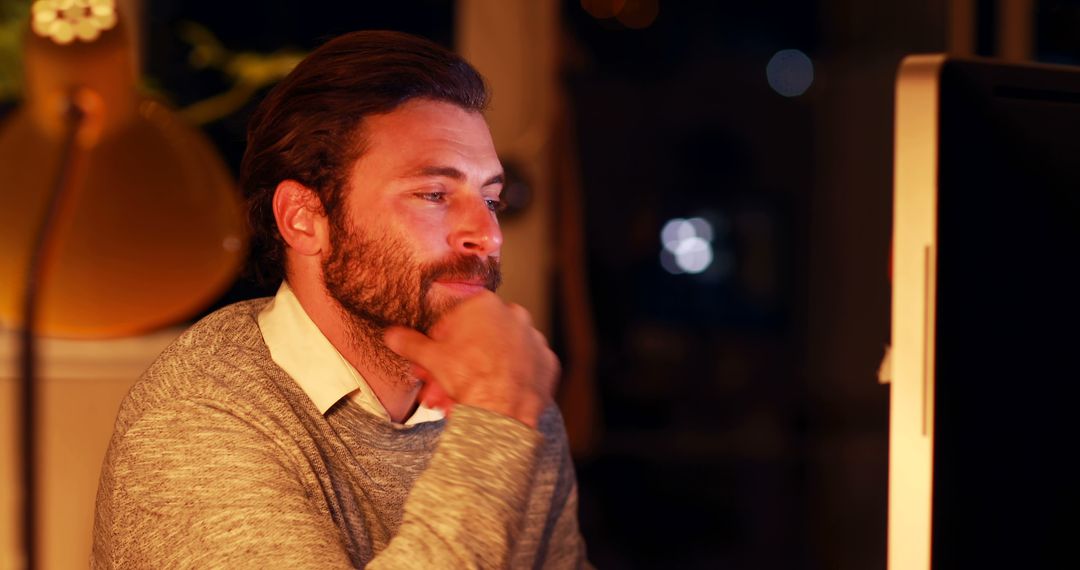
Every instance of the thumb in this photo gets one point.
(412, 345)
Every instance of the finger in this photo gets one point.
(438, 330)
(520, 313)
(556, 371)
(540, 339)
(412, 345)
(432, 395)
(419, 372)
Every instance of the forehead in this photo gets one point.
(423, 133)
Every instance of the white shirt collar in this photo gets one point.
(298, 346)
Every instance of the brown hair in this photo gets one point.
(308, 128)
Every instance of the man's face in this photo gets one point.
(417, 231)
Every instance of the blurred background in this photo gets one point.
(701, 224)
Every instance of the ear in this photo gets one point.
(300, 218)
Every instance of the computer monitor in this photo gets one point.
(985, 359)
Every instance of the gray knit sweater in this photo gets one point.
(219, 460)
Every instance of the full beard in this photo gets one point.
(377, 284)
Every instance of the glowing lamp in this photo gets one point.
(147, 226)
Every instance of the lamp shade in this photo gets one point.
(152, 228)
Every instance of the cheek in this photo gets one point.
(422, 230)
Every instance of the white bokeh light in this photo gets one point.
(694, 255)
(687, 245)
(790, 72)
(670, 235)
(702, 228)
(667, 261)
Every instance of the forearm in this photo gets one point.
(467, 509)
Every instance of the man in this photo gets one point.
(293, 432)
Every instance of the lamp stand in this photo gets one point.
(37, 271)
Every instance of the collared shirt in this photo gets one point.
(298, 346)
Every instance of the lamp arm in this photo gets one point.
(37, 269)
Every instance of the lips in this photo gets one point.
(468, 286)
(476, 281)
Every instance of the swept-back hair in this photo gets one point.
(309, 128)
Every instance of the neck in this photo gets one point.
(386, 373)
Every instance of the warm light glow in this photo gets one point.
(638, 14)
(601, 9)
(634, 14)
(65, 20)
(687, 245)
(790, 72)
(152, 228)
(911, 405)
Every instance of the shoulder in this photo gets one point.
(231, 327)
(215, 387)
(224, 344)
(222, 358)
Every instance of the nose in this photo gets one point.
(476, 230)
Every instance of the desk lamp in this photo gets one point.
(116, 217)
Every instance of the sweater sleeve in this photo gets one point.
(466, 510)
(563, 547)
(194, 485)
(468, 507)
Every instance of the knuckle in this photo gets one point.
(520, 313)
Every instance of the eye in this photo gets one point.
(495, 205)
(433, 196)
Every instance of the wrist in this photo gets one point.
(524, 407)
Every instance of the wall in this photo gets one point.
(82, 385)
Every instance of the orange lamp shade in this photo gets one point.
(152, 230)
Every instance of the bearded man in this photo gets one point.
(385, 408)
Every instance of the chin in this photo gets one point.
(441, 300)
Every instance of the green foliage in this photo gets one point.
(14, 15)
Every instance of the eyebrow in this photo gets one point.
(452, 173)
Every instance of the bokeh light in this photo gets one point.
(687, 245)
(702, 228)
(694, 255)
(638, 14)
(667, 261)
(601, 9)
(634, 14)
(790, 72)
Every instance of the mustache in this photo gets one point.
(463, 268)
